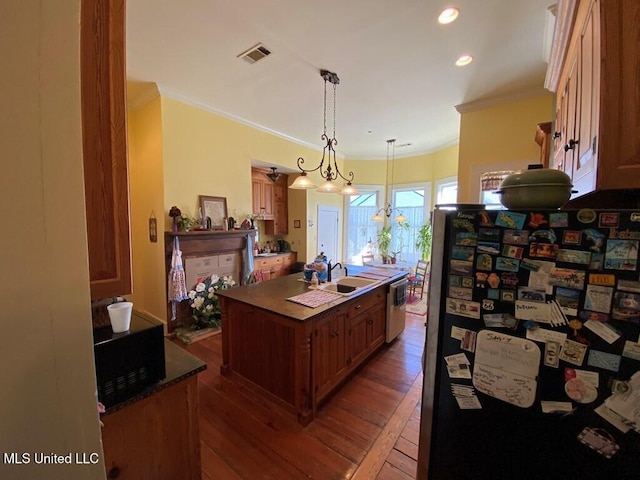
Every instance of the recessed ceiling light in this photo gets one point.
(464, 60)
(448, 15)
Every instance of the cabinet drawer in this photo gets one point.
(262, 263)
(365, 302)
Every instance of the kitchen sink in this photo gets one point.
(347, 285)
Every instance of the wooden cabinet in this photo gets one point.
(262, 191)
(329, 351)
(268, 268)
(270, 200)
(366, 330)
(156, 438)
(543, 139)
(104, 144)
(300, 362)
(597, 101)
(346, 337)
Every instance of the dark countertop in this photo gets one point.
(179, 365)
(272, 294)
(272, 255)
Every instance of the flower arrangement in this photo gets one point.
(205, 304)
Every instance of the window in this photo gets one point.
(447, 191)
(489, 183)
(360, 231)
(414, 201)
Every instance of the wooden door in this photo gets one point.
(330, 361)
(376, 326)
(104, 145)
(584, 169)
(358, 345)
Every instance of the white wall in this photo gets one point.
(47, 379)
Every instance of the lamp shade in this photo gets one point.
(328, 187)
(349, 189)
(302, 183)
(401, 218)
(377, 218)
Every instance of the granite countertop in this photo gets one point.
(179, 364)
(272, 294)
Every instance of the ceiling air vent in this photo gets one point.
(255, 53)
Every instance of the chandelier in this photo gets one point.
(331, 173)
(387, 210)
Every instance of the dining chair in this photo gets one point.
(366, 259)
(419, 279)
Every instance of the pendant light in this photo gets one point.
(387, 210)
(331, 173)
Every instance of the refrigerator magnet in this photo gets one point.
(512, 220)
(573, 352)
(552, 354)
(604, 360)
(507, 264)
(489, 234)
(586, 215)
(609, 220)
(599, 440)
(537, 220)
(571, 237)
(516, 237)
(621, 255)
(484, 262)
(560, 219)
(594, 239)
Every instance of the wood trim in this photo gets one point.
(104, 144)
(566, 14)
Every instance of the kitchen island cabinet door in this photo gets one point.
(104, 144)
(329, 352)
(156, 438)
(376, 327)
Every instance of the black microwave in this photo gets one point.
(128, 362)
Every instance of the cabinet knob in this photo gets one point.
(334, 334)
(556, 135)
(569, 146)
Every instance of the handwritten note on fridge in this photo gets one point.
(506, 367)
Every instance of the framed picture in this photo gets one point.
(214, 208)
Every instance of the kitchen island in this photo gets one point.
(294, 354)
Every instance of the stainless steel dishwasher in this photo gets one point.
(396, 308)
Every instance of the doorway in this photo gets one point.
(328, 232)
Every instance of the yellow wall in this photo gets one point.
(146, 180)
(48, 387)
(499, 138)
(429, 167)
(178, 152)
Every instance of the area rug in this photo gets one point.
(418, 308)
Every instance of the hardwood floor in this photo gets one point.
(367, 430)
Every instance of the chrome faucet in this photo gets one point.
(329, 268)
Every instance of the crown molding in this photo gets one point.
(500, 99)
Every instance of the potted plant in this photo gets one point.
(423, 241)
(384, 243)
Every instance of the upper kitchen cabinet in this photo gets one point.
(262, 190)
(270, 200)
(104, 131)
(595, 136)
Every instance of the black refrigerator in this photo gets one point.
(532, 354)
